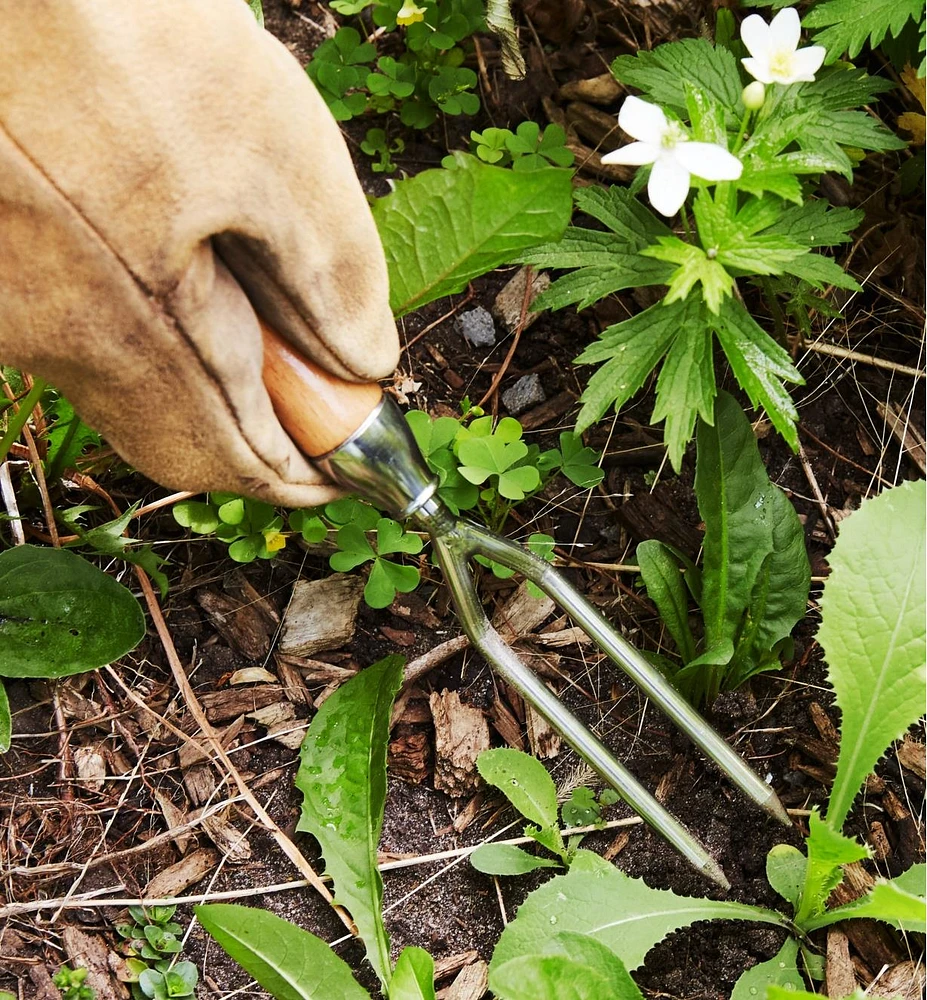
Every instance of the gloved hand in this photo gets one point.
(161, 164)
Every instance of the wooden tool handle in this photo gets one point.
(320, 411)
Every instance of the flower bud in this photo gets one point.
(753, 96)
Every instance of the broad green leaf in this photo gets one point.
(524, 781)
(631, 350)
(785, 872)
(872, 632)
(695, 266)
(6, 720)
(828, 851)
(663, 73)
(565, 967)
(507, 859)
(816, 224)
(342, 776)
(780, 970)
(232, 512)
(847, 24)
(686, 386)
(623, 213)
(622, 913)
(385, 579)
(887, 902)
(288, 962)
(747, 522)
(442, 228)
(760, 366)
(413, 977)
(355, 549)
(392, 537)
(61, 615)
(516, 484)
(914, 880)
(665, 588)
(837, 89)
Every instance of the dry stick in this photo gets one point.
(816, 490)
(843, 352)
(513, 347)
(196, 710)
(167, 501)
(12, 507)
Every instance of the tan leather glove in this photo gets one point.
(161, 164)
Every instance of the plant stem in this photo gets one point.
(18, 420)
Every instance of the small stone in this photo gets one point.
(477, 327)
(524, 394)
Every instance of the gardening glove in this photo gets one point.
(166, 169)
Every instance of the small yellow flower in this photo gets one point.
(409, 13)
(274, 540)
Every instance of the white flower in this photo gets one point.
(774, 53)
(673, 155)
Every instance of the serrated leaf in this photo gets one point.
(632, 349)
(565, 967)
(886, 901)
(821, 271)
(780, 970)
(622, 913)
(847, 25)
(442, 228)
(60, 615)
(872, 632)
(914, 880)
(663, 73)
(288, 962)
(342, 776)
(785, 872)
(413, 977)
(665, 588)
(695, 266)
(828, 850)
(507, 859)
(760, 366)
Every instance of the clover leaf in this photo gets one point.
(386, 577)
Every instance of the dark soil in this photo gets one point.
(51, 818)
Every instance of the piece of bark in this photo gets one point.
(175, 817)
(220, 706)
(318, 671)
(544, 739)
(906, 432)
(667, 784)
(282, 724)
(452, 964)
(236, 584)
(604, 89)
(321, 614)
(573, 636)
(461, 735)
(407, 757)
(468, 814)
(867, 937)
(904, 981)
(521, 614)
(840, 974)
(656, 515)
(471, 983)
(88, 951)
(549, 412)
(823, 724)
(595, 125)
(509, 302)
(189, 870)
(231, 842)
(506, 725)
(241, 625)
(294, 687)
(881, 848)
(910, 755)
(617, 845)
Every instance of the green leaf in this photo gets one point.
(780, 970)
(342, 775)
(526, 784)
(632, 350)
(760, 366)
(665, 588)
(232, 512)
(785, 872)
(355, 549)
(392, 537)
(872, 631)
(385, 579)
(663, 73)
(914, 880)
(61, 615)
(622, 913)
(413, 977)
(6, 721)
(847, 24)
(564, 967)
(887, 902)
(828, 851)
(695, 266)
(288, 962)
(579, 462)
(443, 228)
(507, 859)
(308, 524)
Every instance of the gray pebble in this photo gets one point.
(524, 394)
(477, 327)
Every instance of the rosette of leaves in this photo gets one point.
(151, 945)
(765, 226)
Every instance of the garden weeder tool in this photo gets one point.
(360, 439)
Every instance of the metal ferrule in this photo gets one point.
(382, 462)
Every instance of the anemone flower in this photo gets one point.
(774, 53)
(675, 157)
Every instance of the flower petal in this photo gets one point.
(754, 33)
(807, 62)
(633, 155)
(642, 120)
(785, 30)
(668, 186)
(758, 68)
(709, 161)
